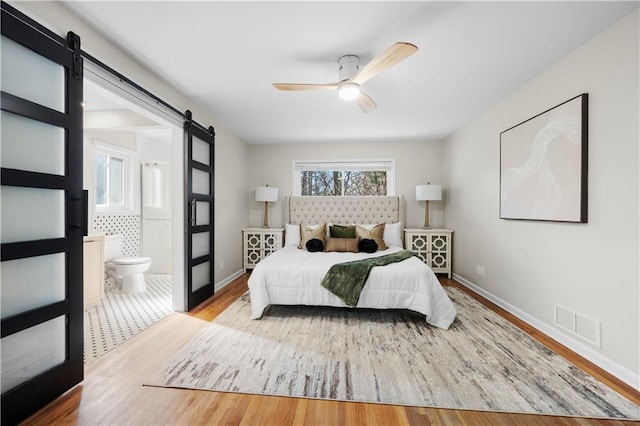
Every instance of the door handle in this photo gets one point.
(193, 209)
(85, 212)
(82, 212)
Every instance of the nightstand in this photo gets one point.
(260, 243)
(432, 245)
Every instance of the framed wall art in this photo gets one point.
(543, 165)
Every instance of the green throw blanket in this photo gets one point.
(346, 280)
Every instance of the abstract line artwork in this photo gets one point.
(543, 165)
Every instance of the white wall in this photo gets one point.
(416, 163)
(231, 205)
(590, 268)
(231, 209)
(152, 149)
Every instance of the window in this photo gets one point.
(113, 178)
(348, 177)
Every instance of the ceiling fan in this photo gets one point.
(352, 77)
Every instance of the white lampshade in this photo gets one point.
(267, 194)
(428, 192)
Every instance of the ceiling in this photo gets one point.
(105, 111)
(225, 56)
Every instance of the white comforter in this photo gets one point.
(292, 276)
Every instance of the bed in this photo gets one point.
(292, 276)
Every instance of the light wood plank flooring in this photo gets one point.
(112, 392)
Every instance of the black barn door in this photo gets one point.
(41, 215)
(199, 162)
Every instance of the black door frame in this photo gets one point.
(191, 130)
(204, 134)
(27, 398)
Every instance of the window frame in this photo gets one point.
(127, 157)
(385, 164)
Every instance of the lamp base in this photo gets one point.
(426, 216)
(265, 219)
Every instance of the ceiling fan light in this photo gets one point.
(349, 91)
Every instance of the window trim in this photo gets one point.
(362, 164)
(128, 158)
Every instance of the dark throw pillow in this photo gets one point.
(314, 245)
(367, 245)
(342, 231)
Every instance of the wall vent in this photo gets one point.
(578, 325)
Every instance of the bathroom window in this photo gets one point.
(113, 178)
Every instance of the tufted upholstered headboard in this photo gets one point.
(344, 210)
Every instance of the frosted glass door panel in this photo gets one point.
(31, 282)
(200, 245)
(22, 135)
(200, 151)
(32, 351)
(200, 223)
(200, 275)
(31, 214)
(46, 78)
(202, 213)
(201, 182)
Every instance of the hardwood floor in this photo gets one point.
(112, 392)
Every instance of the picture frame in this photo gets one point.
(543, 165)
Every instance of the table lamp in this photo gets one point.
(267, 195)
(428, 193)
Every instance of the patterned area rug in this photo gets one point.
(482, 362)
(119, 316)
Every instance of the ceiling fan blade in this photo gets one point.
(394, 54)
(304, 86)
(365, 103)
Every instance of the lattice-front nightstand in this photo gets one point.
(260, 243)
(432, 245)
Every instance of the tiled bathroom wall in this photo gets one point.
(126, 225)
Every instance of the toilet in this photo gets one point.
(128, 271)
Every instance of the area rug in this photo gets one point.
(482, 362)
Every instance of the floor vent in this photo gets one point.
(578, 325)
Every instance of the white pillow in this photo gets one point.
(292, 235)
(368, 226)
(393, 234)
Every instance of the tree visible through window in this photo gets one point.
(364, 178)
(343, 183)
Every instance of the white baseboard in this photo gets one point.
(217, 286)
(622, 373)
